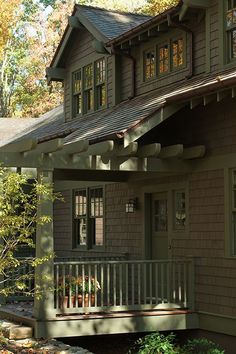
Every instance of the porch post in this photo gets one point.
(44, 274)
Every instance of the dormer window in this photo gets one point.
(77, 92)
(164, 58)
(177, 53)
(231, 28)
(89, 88)
(149, 64)
(100, 79)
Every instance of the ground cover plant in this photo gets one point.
(156, 343)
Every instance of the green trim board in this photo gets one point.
(115, 325)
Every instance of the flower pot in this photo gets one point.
(65, 303)
(86, 300)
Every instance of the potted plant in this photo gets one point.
(67, 288)
(87, 287)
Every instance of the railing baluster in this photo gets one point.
(89, 285)
(185, 285)
(150, 282)
(132, 282)
(144, 283)
(102, 285)
(179, 283)
(168, 281)
(162, 283)
(157, 282)
(57, 286)
(114, 284)
(139, 284)
(95, 283)
(108, 284)
(83, 284)
(121, 282)
(126, 281)
(173, 282)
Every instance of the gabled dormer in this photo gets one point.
(83, 61)
(106, 57)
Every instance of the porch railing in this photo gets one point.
(98, 286)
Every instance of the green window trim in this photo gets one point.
(179, 214)
(230, 27)
(167, 57)
(88, 218)
(149, 60)
(89, 88)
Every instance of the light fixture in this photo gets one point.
(131, 205)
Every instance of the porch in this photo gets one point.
(112, 296)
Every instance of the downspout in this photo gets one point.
(185, 28)
(133, 69)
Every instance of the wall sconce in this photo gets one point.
(131, 205)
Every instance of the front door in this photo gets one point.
(159, 239)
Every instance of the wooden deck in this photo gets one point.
(101, 323)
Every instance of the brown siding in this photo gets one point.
(214, 36)
(80, 54)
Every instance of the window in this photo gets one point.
(231, 28)
(233, 207)
(149, 64)
(163, 56)
(88, 88)
(177, 53)
(88, 217)
(160, 215)
(77, 92)
(100, 88)
(179, 210)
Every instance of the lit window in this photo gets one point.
(179, 210)
(177, 53)
(77, 93)
(88, 88)
(163, 58)
(231, 28)
(149, 64)
(100, 88)
(88, 218)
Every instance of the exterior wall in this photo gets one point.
(123, 232)
(80, 54)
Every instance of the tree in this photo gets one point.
(154, 7)
(19, 201)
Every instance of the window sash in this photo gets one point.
(149, 64)
(163, 58)
(88, 221)
(177, 55)
(179, 209)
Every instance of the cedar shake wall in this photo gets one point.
(123, 231)
(214, 35)
(80, 54)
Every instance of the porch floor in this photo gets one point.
(100, 323)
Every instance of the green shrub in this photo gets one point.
(155, 343)
(201, 346)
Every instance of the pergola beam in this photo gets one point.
(20, 146)
(171, 151)
(193, 152)
(76, 147)
(151, 150)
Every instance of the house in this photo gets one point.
(144, 153)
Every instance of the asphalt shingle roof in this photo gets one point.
(118, 120)
(111, 23)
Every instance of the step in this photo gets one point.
(15, 331)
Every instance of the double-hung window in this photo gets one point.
(88, 224)
(177, 53)
(149, 64)
(77, 92)
(88, 88)
(100, 88)
(179, 210)
(164, 58)
(231, 28)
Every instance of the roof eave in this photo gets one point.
(145, 25)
